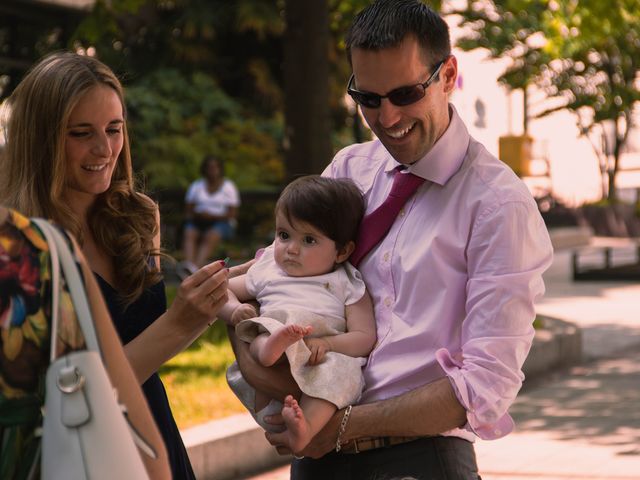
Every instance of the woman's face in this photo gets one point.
(94, 140)
(212, 170)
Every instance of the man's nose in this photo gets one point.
(388, 113)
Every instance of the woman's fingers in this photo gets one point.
(206, 272)
(206, 289)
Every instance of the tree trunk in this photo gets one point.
(618, 142)
(306, 86)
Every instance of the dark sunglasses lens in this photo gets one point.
(368, 100)
(406, 95)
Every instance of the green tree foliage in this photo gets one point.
(584, 52)
(175, 119)
(202, 77)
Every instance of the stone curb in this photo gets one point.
(557, 345)
(235, 447)
(570, 237)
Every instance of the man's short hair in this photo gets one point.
(385, 23)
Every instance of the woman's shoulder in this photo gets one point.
(149, 203)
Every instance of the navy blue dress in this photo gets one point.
(129, 323)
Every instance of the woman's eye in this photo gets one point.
(78, 134)
(113, 131)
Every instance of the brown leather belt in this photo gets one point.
(371, 443)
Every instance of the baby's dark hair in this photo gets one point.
(334, 206)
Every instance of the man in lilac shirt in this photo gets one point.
(454, 280)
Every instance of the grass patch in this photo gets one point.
(195, 379)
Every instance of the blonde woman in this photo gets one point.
(67, 158)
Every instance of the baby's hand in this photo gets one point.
(243, 312)
(319, 348)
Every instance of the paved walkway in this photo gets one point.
(582, 424)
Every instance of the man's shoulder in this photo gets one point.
(359, 159)
(493, 174)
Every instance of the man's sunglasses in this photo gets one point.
(400, 97)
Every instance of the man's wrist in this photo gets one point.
(342, 428)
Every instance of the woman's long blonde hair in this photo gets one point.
(34, 169)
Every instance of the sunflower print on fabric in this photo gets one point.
(25, 316)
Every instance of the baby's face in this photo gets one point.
(301, 250)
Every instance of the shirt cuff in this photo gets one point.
(484, 422)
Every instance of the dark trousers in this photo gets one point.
(432, 458)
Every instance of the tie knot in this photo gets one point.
(404, 184)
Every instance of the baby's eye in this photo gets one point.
(283, 235)
(309, 240)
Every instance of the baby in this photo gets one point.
(315, 311)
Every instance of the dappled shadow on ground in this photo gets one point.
(598, 403)
(606, 339)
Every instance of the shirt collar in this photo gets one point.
(446, 156)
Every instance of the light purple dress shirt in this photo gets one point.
(455, 279)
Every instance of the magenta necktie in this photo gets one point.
(375, 225)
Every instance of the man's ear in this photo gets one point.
(345, 252)
(450, 73)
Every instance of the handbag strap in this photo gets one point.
(55, 293)
(61, 257)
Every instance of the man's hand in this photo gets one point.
(319, 348)
(243, 311)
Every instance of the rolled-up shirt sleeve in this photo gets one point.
(507, 253)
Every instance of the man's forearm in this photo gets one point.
(428, 410)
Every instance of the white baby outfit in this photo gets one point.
(289, 300)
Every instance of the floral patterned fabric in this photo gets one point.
(25, 292)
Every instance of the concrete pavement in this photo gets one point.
(582, 423)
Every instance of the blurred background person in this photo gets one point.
(210, 214)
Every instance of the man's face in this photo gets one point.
(410, 131)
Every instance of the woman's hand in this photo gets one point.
(201, 295)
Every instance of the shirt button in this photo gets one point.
(401, 213)
(386, 257)
(388, 301)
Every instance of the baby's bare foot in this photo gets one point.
(298, 430)
(278, 342)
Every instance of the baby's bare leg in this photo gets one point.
(305, 420)
(267, 349)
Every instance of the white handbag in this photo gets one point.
(86, 434)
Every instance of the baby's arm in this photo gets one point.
(357, 341)
(234, 310)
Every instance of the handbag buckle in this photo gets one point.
(70, 379)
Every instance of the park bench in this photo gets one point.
(613, 253)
